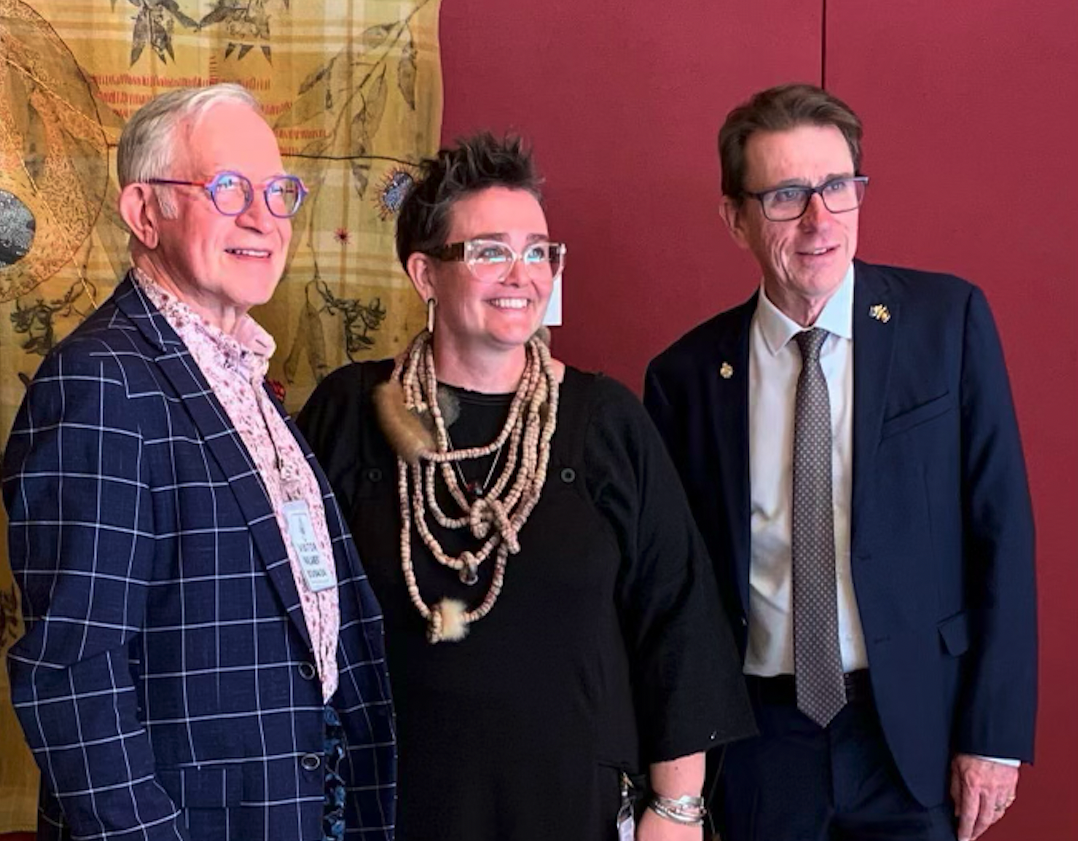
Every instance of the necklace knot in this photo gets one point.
(487, 512)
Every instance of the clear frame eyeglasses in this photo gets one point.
(232, 193)
(491, 260)
(839, 195)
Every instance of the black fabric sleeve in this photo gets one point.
(689, 690)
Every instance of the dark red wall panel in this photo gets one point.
(623, 102)
(971, 114)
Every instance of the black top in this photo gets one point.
(606, 650)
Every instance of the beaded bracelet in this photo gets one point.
(686, 810)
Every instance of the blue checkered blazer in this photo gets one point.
(166, 682)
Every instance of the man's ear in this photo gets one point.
(421, 273)
(733, 214)
(141, 212)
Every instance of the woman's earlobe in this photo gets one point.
(419, 272)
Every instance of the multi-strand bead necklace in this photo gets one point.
(497, 516)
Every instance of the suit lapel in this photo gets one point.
(873, 346)
(727, 387)
(222, 441)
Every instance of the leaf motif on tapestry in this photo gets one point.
(358, 321)
(246, 26)
(310, 339)
(365, 126)
(153, 25)
(346, 98)
(37, 320)
(406, 69)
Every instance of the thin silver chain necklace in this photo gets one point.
(475, 489)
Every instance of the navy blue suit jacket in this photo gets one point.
(941, 521)
(166, 682)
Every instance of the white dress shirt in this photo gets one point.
(774, 366)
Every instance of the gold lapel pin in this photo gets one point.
(726, 370)
(880, 313)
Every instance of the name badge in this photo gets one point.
(318, 572)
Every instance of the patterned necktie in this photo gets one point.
(821, 691)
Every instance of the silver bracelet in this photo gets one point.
(686, 810)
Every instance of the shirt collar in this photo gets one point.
(836, 317)
(249, 348)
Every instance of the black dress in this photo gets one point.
(607, 649)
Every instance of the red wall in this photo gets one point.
(971, 113)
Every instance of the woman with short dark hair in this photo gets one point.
(552, 627)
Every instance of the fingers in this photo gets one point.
(982, 790)
(987, 814)
(967, 807)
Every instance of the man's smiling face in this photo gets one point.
(803, 260)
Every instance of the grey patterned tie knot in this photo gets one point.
(821, 690)
(809, 343)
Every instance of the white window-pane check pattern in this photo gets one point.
(165, 682)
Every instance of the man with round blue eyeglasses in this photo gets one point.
(849, 444)
(203, 656)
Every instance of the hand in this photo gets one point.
(981, 790)
(651, 827)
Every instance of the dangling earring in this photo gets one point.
(431, 304)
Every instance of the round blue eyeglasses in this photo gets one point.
(232, 193)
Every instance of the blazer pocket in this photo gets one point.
(918, 415)
(213, 787)
(954, 632)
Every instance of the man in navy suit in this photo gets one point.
(203, 657)
(849, 445)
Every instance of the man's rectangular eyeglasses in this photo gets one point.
(839, 195)
(491, 260)
(232, 193)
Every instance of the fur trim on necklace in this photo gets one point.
(450, 624)
(448, 403)
(407, 434)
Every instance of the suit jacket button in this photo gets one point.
(307, 671)
(744, 622)
(374, 474)
(310, 761)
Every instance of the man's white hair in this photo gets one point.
(150, 140)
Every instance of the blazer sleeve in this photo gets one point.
(997, 713)
(82, 550)
(658, 403)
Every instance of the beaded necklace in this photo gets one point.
(497, 516)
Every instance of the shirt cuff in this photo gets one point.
(1013, 763)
